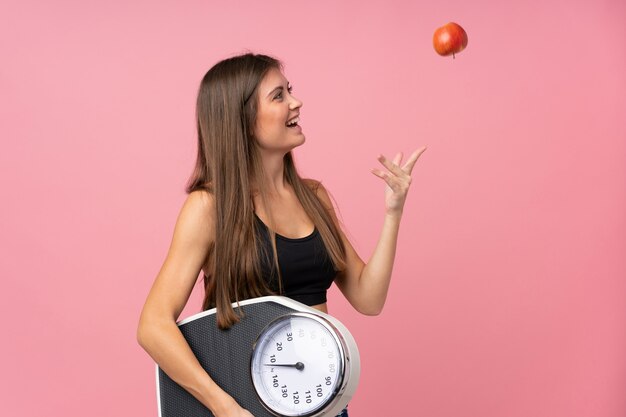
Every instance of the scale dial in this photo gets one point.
(298, 365)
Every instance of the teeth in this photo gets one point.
(293, 121)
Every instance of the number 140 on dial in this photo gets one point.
(298, 365)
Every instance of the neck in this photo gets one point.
(273, 168)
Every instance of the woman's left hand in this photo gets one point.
(398, 179)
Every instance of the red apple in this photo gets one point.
(449, 39)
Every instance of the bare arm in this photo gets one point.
(365, 286)
(158, 332)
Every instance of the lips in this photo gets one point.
(293, 122)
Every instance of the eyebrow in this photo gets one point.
(274, 90)
(278, 88)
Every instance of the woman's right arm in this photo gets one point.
(158, 332)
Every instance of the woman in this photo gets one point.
(253, 226)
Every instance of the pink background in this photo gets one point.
(509, 291)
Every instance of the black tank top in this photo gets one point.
(305, 266)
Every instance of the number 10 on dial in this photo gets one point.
(299, 365)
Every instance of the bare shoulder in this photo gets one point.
(200, 199)
(196, 217)
(319, 190)
(199, 203)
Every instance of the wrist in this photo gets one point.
(222, 404)
(393, 214)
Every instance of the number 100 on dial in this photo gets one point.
(298, 365)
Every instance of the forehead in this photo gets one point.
(274, 78)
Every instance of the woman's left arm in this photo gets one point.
(365, 286)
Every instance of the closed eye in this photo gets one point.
(279, 95)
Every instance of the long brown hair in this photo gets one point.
(228, 160)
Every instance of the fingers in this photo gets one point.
(407, 168)
(398, 158)
(410, 163)
(380, 174)
(391, 165)
(392, 181)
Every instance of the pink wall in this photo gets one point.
(509, 292)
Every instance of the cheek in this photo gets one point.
(268, 124)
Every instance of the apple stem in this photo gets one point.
(453, 55)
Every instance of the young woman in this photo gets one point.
(254, 227)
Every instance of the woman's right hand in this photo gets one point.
(232, 409)
(240, 412)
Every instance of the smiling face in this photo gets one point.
(276, 111)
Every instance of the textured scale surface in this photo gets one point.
(225, 355)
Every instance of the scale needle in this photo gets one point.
(299, 365)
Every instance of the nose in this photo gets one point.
(294, 103)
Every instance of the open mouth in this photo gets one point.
(293, 122)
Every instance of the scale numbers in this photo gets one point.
(297, 365)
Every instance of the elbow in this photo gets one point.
(370, 309)
(151, 329)
(371, 312)
(144, 333)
